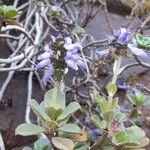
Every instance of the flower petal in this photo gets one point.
(137, 51)
(42, 64)
(81, 64)
(47, 75)
(44, 56)
(73, 47)
(68, 40)
(47, 48)
(124, 36)
(71, 64)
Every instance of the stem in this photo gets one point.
(116, 68)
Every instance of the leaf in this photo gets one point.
(42, 144)
(120, 138)
(143, 41)
(71, 128)
(81, 146)
(10, 12)
(111, 89)
(131, 98)
(63, 143)
(78, 31)
(96, 120)
(70, 109)
(114, 104)
(139, 98)
(53, 113)
(55, 98)
(82, 137)
(108, 116)
(51, 125)
(135, 132)
(38, 110)
(96, 97)
(142, 143)
(27, 129)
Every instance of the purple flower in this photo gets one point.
(72, 58)
(122, 36)
(45, 63)
(47, 74)
(122, 86)
(137, 51)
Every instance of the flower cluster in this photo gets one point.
(71, 59)
(123, 37)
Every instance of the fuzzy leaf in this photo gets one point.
(69, 110)
(42, 144)
(27, 129)
(38, 110)
(70, 128)
(63, 143)
(55, 98)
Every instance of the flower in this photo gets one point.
(121, 36)
(122, 86)
(137, 51)
(72, 58)
(45, 63)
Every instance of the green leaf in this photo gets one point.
(82, 137)
(42, 144)
(54, 11)
(81, 146)
(38, 110)
(96, 120)
(55, 98)
(111, 89)
(120, 138)
(120, 116)
(69, 110)
(51, 125)
(70, 128)
(10, 12)
(135, 132)
(78, 31)
(131, 98)
(139, 98)
(96, 97)
(108, 116)
(114, 104)
(53, 113)
(142, 143)
(143, 41)
(27, 129)
(63, 143)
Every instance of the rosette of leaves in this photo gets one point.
(54, 115)
(107, 107)
(143, 41)
(111, 118)
(8, 15)
(131, 138)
